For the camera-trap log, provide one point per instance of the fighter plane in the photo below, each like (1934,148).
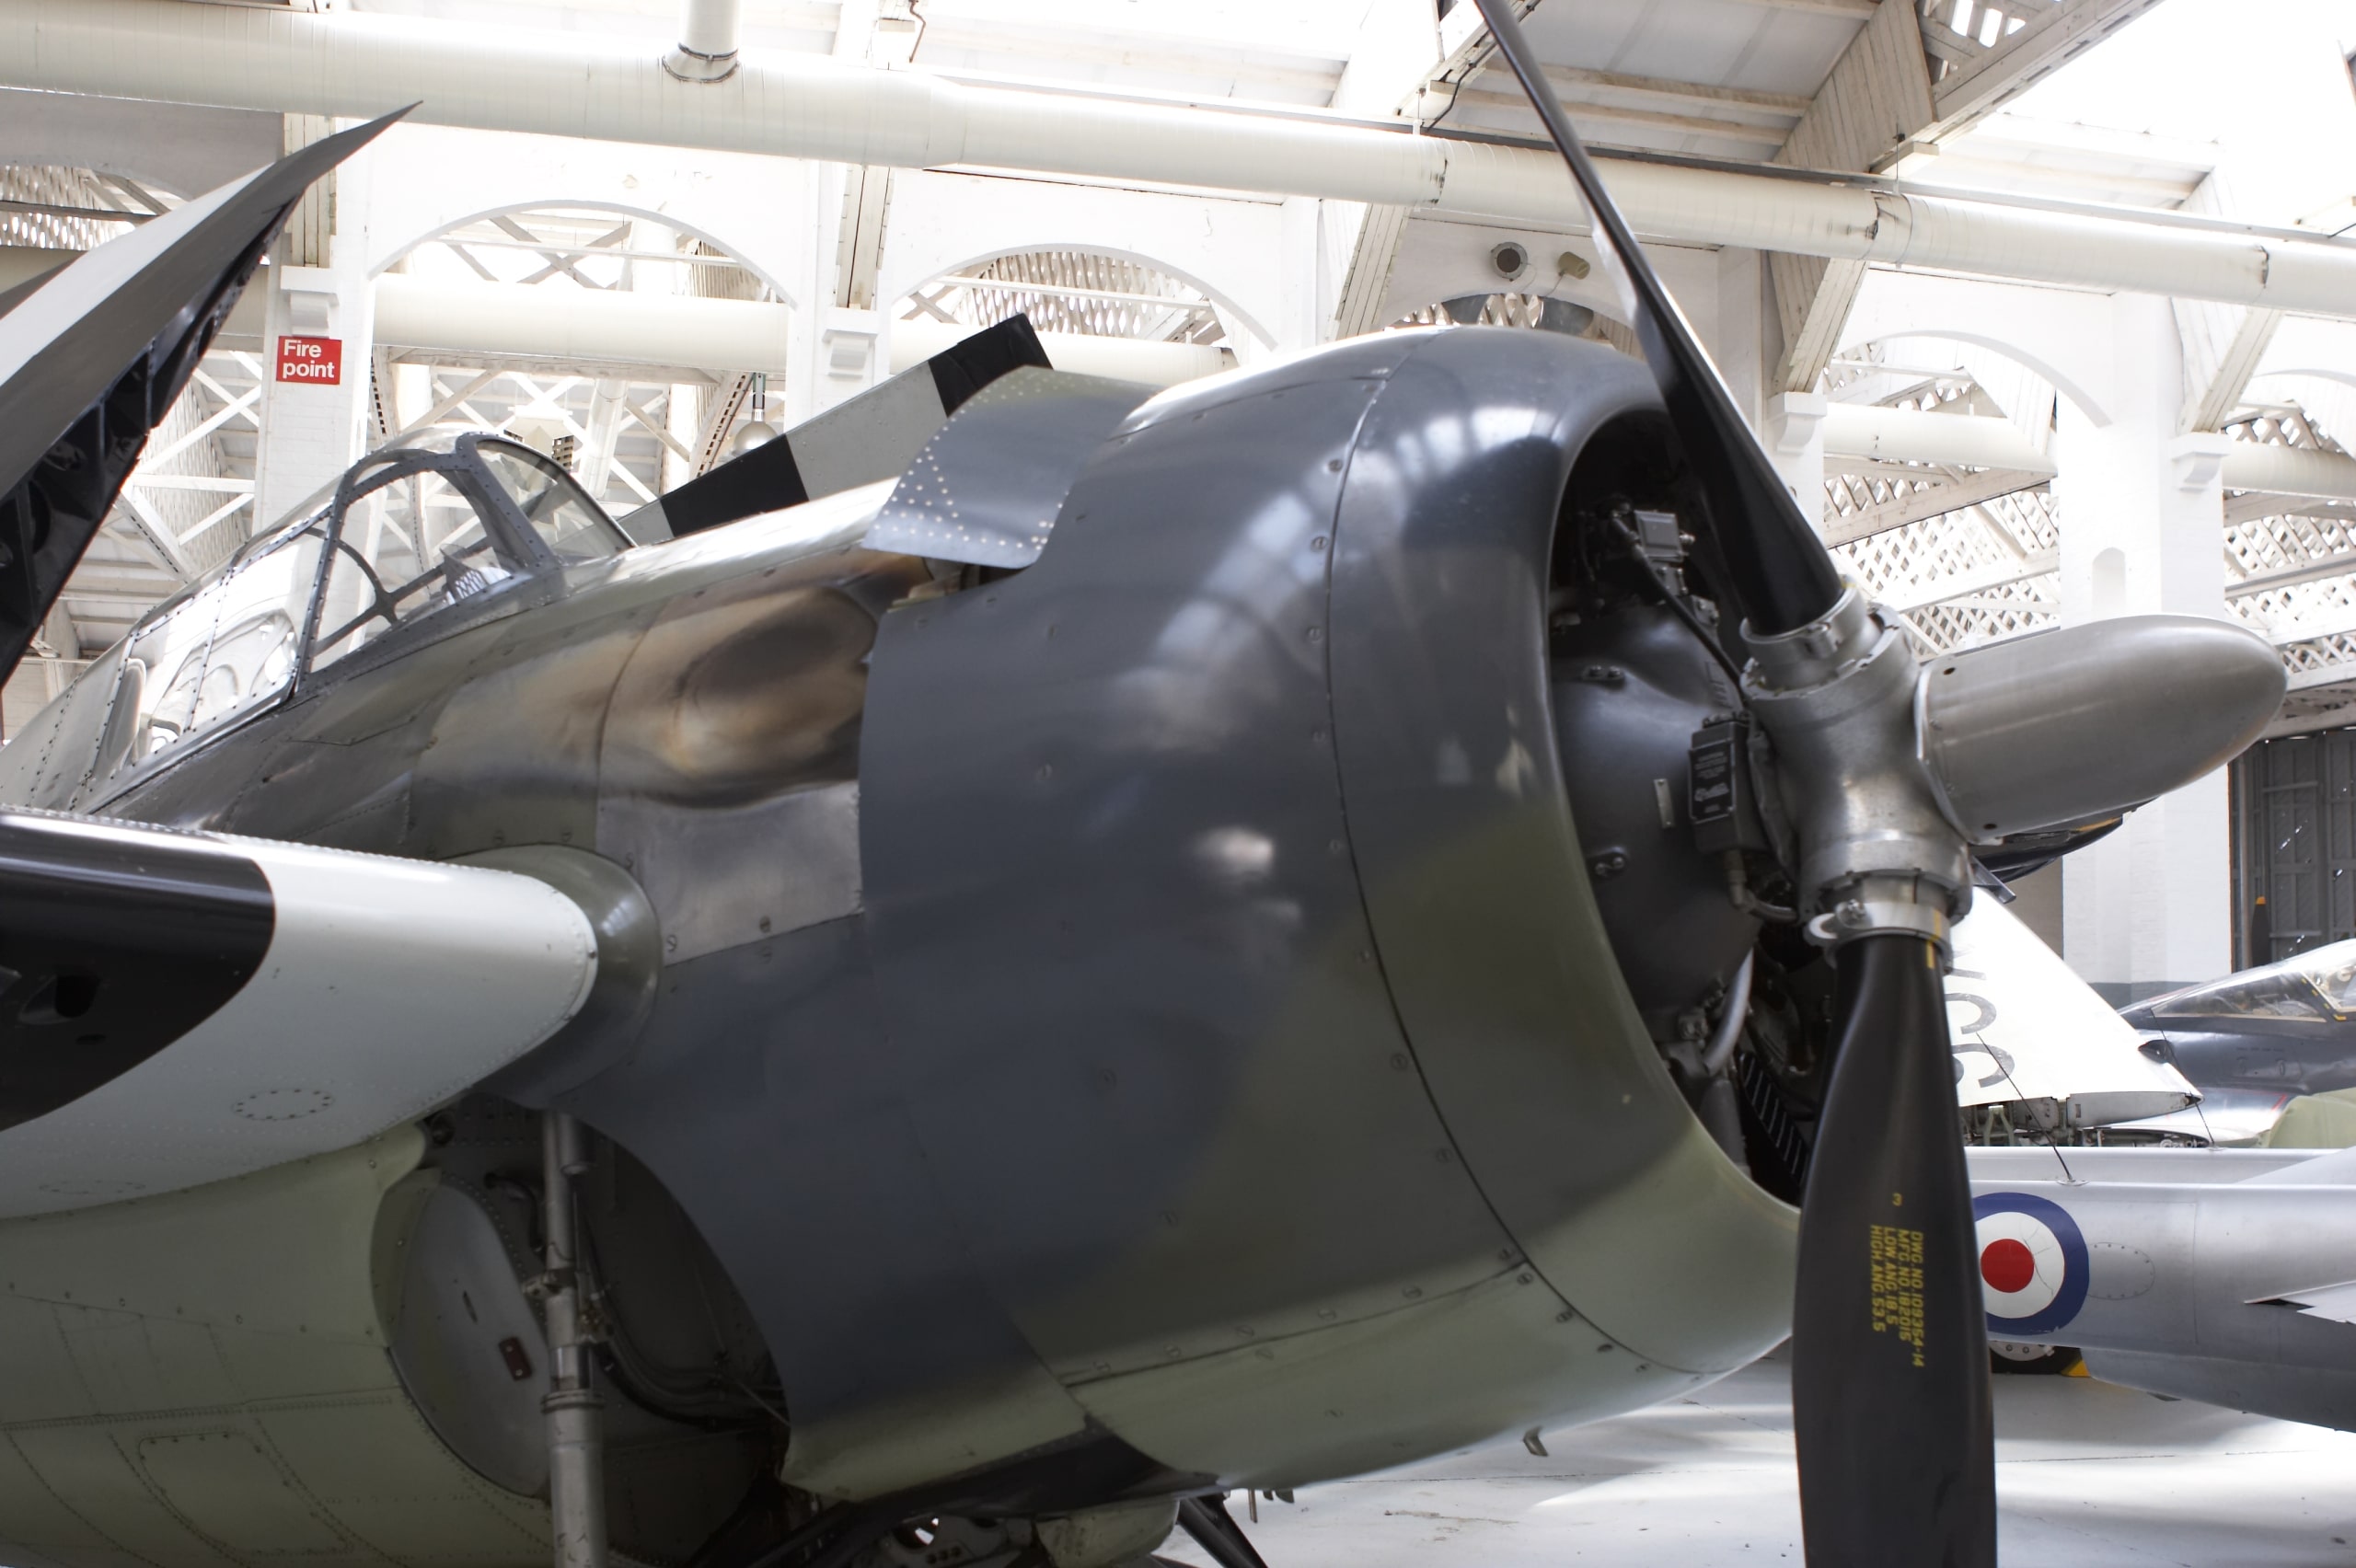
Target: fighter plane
(2256,1040)
(2226,1276)
(1180,943)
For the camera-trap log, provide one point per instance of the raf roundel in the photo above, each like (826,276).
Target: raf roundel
(2033,1266)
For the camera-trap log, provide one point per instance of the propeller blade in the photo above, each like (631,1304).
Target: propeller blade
(93,354)
(1781,577)
(1890,1347)
(1890,1376)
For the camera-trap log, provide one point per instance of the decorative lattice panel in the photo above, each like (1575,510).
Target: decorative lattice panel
(1076,292)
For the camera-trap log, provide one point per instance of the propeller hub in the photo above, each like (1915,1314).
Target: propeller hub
(1877,854)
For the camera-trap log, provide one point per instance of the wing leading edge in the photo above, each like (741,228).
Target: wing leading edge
(178,1008)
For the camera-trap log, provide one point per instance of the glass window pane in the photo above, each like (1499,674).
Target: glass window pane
(2266,992)
(2333,970)
(407,547)
(566,522)
(261,606)
(155,690)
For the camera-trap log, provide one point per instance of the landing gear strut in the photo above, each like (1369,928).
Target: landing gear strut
(575,1412)
(1214,1530)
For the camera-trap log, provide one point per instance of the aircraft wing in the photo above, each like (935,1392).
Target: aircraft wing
(93,354)
(178,1008)
(2334,1303)
(872,436)
(2026,1028)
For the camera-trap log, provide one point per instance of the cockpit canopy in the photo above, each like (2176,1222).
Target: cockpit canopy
(376,564)
(2315,986)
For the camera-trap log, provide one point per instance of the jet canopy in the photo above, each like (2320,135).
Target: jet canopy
(2314,987)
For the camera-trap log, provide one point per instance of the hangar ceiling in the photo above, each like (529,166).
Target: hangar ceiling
(2042,102)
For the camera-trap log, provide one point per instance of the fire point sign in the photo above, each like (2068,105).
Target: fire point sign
(315,360)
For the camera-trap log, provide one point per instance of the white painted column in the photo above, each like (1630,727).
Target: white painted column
(312,427)
(1792,424)
(1304,310)
(1738,346)
(2142,520)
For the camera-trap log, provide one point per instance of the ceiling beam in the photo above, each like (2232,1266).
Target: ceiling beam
(1876,99)
(2222,344)
(1576,79)
(1587,110)
(1401,51)
(1860,10)
(1976,78)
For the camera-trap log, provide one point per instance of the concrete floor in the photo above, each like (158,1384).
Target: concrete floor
(2088,1476)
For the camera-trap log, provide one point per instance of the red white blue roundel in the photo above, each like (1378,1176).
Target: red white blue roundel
(2033,1269)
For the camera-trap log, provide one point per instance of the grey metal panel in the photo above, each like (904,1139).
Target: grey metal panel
(987,487)
(453,1304)
(1460,819)
(1115,920)
(765,1097)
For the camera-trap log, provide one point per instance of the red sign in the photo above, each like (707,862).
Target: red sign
(315,360)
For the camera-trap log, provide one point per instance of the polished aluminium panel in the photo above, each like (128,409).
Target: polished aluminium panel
(727,774)
(2171,1274)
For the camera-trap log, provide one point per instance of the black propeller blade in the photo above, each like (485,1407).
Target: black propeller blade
(1780,570)
(1890,1365)
(1889,1375)
(93,354)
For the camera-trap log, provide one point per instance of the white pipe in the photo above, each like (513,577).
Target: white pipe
(1904,435)
(790,105)
(590,326)
(707,51)
(721,337)
(1978,441)
(2288,470)
(710,29)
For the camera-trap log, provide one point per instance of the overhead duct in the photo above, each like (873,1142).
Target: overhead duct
(2291,470)
(803,106)
(590,328)
(593,327)
(1979,441)
(707,51)
(583,326)
(1905,435)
